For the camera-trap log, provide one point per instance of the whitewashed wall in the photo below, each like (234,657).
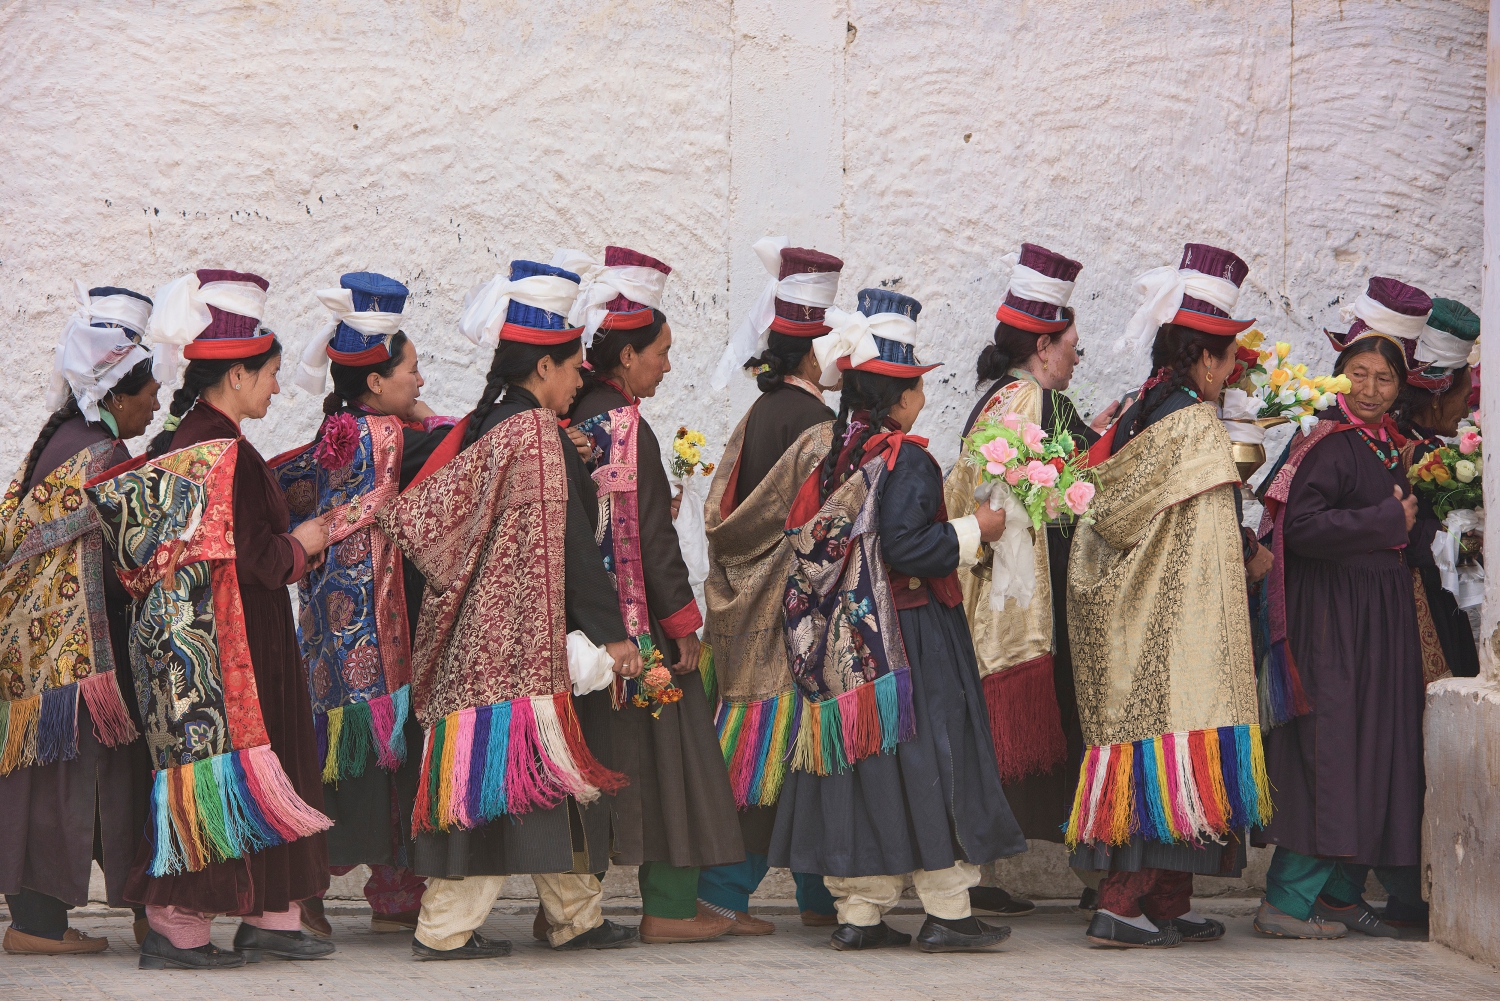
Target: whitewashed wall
(1323,141)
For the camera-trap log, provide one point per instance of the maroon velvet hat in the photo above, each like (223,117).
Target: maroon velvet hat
(1202,315)
(229,335)
(1032,315)
(625,314)
(794,318)
(1398,297)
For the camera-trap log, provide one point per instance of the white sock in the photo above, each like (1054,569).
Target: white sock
(1139,921)
(1192,916)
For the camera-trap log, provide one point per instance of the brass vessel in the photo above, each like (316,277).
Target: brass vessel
(1250,457)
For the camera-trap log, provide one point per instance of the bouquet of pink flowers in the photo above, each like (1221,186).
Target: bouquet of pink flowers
(1044,472)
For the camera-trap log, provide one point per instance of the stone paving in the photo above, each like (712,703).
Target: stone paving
(1046,957)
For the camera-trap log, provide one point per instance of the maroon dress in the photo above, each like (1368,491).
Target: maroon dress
(1348,776)
(267,560)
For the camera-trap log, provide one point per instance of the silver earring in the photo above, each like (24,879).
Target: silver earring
(236,385)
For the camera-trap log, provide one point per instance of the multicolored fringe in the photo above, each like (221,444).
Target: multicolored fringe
(511,758)
(1196,785)
(1025,723)
(43,729)
(708,673)
(1278,682)
(347,734)
(224,807)
(754,737)
(831,735)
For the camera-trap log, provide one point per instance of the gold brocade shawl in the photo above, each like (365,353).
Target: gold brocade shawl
(1015,635)
(749,558)
(1157,611)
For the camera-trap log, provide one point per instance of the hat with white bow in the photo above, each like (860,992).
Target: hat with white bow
(99,345)
(1435,335)
(210,313)
(803,283)
(1041,282)
(1200,293)
(618,294)
(530,307)
(365,312)
(880,337)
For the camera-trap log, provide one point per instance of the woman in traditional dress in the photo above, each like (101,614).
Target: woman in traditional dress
(877,635)
(1025,660)
(677,814)
(490,671)
(356,629)
(1345,643)
(256,864)
(1159,625)
(781,438)
(96,780)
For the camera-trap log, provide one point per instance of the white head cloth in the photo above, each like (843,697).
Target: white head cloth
(1384,320)
(1028,283)
(602,283)
(852,336)
(181,314)
(89,360)
(313,365)
(749,338)
(486,303)
(1438,347)
(1161,291)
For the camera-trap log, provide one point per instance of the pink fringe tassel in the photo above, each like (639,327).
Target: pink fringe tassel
(463,752)
(112,723)
(526,786)
(277,799)
(382,719)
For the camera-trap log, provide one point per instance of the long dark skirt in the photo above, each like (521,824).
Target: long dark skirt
(371,812)
(936,801)
(1211,859)
(1348,776)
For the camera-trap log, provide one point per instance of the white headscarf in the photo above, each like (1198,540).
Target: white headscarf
(313,365)
(1028,283)
(90,360)
(181,314)
(486,303)
(601,283)
(749,338)
(1382,319)
(1161,291)
(852,336)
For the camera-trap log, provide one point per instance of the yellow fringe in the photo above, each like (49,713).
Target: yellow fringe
(1122,762)
(775,775)
(331,759)
(21,737)
(1262,780)
(445,790)
(1162,789)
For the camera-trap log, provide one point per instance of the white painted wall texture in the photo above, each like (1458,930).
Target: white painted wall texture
(1322,141)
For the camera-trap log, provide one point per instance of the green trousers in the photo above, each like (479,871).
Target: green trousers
(669,891)
(1294,882)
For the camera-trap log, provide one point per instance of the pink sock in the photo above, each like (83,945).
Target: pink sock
(183,928)
(287,920)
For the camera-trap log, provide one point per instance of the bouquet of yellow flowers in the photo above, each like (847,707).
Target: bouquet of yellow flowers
(1284,390)
(687,454)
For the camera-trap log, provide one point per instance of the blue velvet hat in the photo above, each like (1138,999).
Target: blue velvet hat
(372,293)
(525,323)
(897,358)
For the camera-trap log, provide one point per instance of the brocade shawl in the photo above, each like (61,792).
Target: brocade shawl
(490,676)
(1159,623)
(749,558)
(352,623)
(54,631)
(219,791)
(1014,646)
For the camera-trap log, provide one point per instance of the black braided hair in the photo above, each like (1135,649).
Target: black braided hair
(1011,348)
(130,383)
(512,365)
(200,375)
(351,382)
(604,355)
(1175,351)
(782,357)
(862,391)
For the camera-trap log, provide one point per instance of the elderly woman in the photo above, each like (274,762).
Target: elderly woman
(1348,768)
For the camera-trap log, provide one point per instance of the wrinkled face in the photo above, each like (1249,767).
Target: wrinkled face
(133,411)
(397,393)
(643,370)
(1373,386)
(555,385)
(255,388)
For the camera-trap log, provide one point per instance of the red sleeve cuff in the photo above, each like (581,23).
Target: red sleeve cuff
(299,560)
(683,622)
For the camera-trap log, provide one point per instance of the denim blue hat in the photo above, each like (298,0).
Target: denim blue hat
(530,316)
(896,358)
(372,293)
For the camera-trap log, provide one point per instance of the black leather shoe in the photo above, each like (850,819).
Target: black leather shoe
(996,901)
(1106,930)
(606,936)
(966,935)
(1088,900)
(853,938)
(159,954)
(1207,930)
(477,947)
(257,943)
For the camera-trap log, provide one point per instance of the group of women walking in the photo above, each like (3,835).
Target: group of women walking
(495,666)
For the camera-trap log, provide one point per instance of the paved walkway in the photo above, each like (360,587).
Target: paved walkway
(1046,957)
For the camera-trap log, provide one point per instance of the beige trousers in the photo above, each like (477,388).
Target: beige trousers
(864,900)
(452,909)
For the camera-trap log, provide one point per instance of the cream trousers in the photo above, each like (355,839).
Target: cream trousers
(864,900)
(452,909)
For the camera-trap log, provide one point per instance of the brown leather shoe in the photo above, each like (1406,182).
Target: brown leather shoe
(400,921)
(815,920)
(702,927)
(744,923)
(73,942)
(541,926)
(140,928)
(313,920)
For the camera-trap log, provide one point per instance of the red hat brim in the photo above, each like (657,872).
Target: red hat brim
(1218,326)
(516,333)
(228,347)
(893,369)
(1031,324)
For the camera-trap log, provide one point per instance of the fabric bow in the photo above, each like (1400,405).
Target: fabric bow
(852,336)
(90,360)
(1030,284)
(601,283)
(1161,291)
(313,365)
(486,303)
(181,314)
(749,338)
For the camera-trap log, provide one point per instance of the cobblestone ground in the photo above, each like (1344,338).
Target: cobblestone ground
(1046,957)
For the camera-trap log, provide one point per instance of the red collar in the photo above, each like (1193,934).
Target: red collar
(631,400)
(891,441)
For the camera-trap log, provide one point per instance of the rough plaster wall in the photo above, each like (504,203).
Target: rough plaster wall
(486,131)
(1117,132)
